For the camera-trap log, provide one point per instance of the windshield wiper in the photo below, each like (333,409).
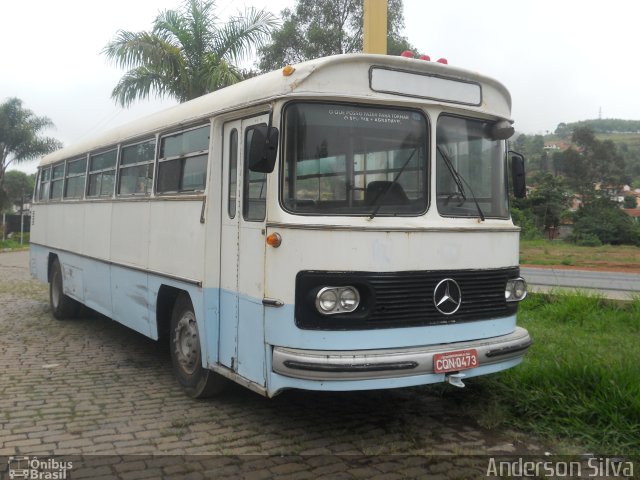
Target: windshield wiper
(378,200)
(459,180)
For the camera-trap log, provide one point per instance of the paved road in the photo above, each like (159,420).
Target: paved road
(615,285)
(91,386)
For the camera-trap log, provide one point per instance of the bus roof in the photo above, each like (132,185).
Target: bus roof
(350,77)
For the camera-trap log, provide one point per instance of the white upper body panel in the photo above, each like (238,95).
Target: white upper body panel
(347,76)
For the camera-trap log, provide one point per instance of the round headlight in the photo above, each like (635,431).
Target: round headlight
(515,290)
(327,300)
(520,289)
(507,292)
(349,299)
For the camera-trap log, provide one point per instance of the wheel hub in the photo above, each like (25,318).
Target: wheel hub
(187,344)
(56,290)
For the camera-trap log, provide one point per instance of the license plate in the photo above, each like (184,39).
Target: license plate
(455,361)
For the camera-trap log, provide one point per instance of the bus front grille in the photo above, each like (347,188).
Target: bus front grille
(404,299)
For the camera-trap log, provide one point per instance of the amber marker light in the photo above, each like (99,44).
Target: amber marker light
(274,240)
(288,70)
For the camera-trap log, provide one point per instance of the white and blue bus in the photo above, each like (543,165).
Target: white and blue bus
(341,224)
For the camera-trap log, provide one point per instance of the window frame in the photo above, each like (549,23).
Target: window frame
(428,177)
(101,171)
(232,181)
(68,176)
(41,182)
(152,163)
(504,182)
(246,180)
(183,159)
(61,180)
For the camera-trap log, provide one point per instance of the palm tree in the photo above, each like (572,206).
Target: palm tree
(21,135)
(187,53)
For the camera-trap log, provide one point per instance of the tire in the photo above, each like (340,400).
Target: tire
(184,341)
(62,306)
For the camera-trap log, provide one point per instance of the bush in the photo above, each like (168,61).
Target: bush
(526,220)
(588,240)
(630,201)
(604,220)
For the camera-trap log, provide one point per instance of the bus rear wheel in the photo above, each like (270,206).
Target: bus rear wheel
(198,382)
(62,306)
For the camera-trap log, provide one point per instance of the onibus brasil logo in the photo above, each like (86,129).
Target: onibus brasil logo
(34,468)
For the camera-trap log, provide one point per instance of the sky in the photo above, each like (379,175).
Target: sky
(562,60)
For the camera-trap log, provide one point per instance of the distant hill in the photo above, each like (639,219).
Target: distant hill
(625,134)
(603,125)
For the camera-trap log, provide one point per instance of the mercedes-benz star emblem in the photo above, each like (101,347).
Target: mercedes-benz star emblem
(447,297)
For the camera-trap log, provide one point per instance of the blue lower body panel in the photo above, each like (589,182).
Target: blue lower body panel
(239,334)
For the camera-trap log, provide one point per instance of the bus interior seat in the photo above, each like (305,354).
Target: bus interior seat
(394,195)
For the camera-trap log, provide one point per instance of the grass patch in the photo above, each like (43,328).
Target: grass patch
(12,244)
(557,252)
(580,382)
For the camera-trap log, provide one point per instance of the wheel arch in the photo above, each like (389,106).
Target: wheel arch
(190,365)
(51,258)
(165,301)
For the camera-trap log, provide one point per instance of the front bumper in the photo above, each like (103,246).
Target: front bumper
(391,363)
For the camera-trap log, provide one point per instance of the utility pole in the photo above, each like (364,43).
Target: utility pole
(374,25)
(21,216)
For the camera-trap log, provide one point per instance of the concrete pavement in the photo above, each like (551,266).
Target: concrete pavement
(614,285)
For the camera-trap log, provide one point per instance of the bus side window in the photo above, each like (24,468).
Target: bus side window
(57,179)
(74,180)
(254,195)
(45,177)
(183,161)
(136,168)
(102,172)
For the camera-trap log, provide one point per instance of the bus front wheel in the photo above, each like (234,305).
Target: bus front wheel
(186,356)
(62,306)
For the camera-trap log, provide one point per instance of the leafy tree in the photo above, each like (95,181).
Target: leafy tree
(520,143)
(318,28)
(544,207)
(532,147)
(17,189)
(592,162)
(187,53)
(630,201)
(523,217)
(562,130)
(557,160)
(605,220)
(548,200)
(21,135)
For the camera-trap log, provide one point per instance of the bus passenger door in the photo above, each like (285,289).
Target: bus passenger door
(229,231)
(242,344)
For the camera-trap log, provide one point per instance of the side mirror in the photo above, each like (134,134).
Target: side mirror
(263,149)
(517,175)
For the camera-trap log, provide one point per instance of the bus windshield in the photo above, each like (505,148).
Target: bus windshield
(354,160)
(470,169)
